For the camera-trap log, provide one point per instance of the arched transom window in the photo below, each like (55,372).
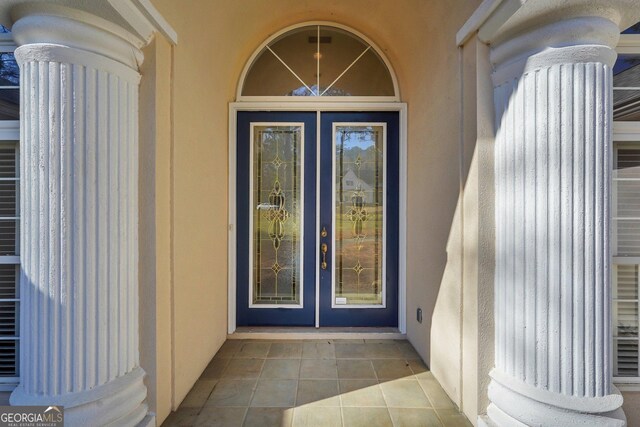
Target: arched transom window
(320,61)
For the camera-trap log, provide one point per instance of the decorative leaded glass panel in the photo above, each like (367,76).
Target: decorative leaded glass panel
(359,214)
(277,153)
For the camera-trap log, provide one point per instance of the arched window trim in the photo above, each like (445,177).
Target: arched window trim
(323,99)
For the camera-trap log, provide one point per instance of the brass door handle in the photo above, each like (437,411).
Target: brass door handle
(324,249)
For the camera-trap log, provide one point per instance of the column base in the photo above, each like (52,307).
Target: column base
(516,404)
(119,402)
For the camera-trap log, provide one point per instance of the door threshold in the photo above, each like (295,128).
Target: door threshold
(311,333)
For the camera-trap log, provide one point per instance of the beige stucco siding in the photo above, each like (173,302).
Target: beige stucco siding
(215,40)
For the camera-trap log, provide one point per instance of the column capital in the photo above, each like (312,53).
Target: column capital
(46,25)
(526,35)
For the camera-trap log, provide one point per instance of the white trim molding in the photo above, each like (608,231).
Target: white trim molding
(143,16)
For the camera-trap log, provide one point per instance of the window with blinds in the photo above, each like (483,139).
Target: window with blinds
(626,260)
(9,213)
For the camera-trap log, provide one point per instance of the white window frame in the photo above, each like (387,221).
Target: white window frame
(626,133)
(318,99)
(10,131)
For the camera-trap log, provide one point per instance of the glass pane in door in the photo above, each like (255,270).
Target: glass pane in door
(359,222)
(277,176)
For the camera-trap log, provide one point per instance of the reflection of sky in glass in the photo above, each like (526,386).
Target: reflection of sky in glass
(634,29)
(625,62)
(355,140)
(4,29)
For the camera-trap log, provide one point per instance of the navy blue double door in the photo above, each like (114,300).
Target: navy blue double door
(317,219)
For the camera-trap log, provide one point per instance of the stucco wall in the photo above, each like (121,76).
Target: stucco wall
(462,328)
(215,40)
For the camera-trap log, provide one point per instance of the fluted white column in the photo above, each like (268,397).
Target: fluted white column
(79,210)
(553,97)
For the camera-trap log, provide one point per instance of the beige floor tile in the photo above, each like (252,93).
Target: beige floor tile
(404,394)
(318,393)
(231,381)
(322,349)
(199,394)
(437,396)
(391,369)
(229,348)
(349,341)
(414,417)
(221,417)
(382,351)
(366,417)
(417,366)
(355,369)
(361,393)
(232,393)
(243,368)
(453,418)
(351,351)
(313,416)
(183,417)
(281,369)
(406,350)
(268,417)
(285,350)
(253,350)
(318,369)
(275,393)
(215,369)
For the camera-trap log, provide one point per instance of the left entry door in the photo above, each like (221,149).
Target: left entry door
(276,218)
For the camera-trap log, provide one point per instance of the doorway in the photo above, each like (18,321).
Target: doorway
(317,218)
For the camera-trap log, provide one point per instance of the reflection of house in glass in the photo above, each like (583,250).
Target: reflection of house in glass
(352,186)
(9,87)
(626,94)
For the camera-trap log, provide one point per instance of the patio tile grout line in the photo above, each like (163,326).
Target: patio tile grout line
(405,356)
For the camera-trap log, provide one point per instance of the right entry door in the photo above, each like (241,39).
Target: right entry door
(359,219)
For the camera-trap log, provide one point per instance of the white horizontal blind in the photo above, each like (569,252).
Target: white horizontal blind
(626,269)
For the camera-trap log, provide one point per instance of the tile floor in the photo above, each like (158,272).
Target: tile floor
(321,383)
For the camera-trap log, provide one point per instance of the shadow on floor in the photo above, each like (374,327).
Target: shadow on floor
(322,383)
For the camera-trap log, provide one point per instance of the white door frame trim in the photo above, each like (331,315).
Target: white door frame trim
(235,107)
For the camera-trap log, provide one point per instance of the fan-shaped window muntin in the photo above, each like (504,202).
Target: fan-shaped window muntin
(320,61)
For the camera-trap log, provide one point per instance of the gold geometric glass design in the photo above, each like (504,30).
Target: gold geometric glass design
(277,184)
(359,214)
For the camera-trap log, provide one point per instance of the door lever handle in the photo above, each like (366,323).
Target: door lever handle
(324,248)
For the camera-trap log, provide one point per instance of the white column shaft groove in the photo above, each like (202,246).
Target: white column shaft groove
(552,169)
(79,227)
(552,275)
(79,210)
